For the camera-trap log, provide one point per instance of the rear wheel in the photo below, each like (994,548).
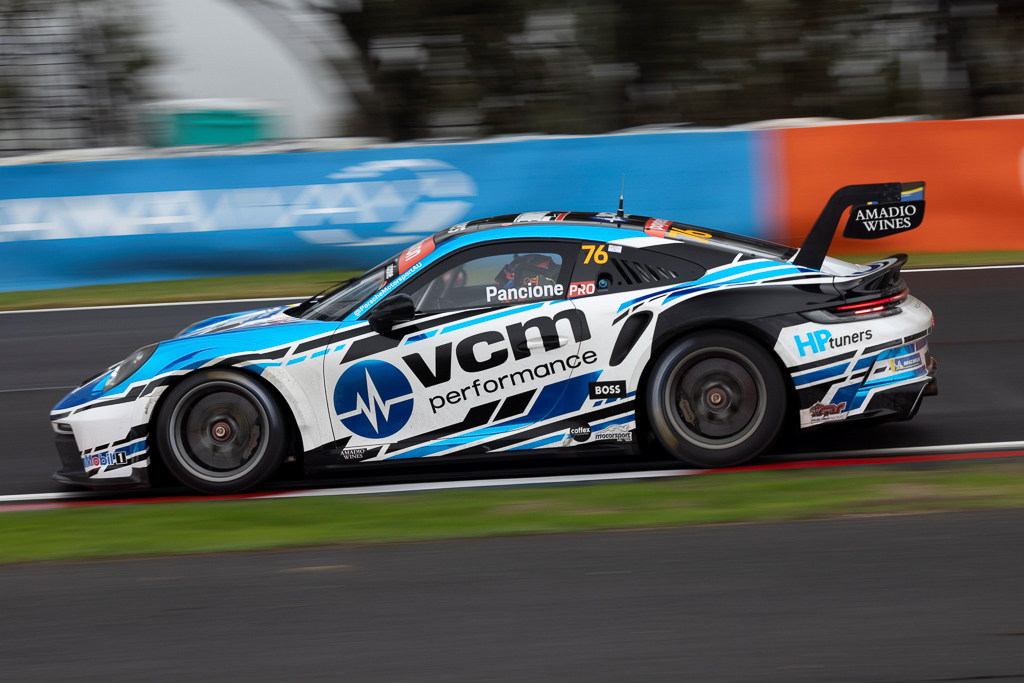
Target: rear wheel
(716,399)
(221,432)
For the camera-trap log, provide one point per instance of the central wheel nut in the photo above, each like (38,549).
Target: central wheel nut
(221,431)
(716,398)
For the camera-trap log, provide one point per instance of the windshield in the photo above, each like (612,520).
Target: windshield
(337,302)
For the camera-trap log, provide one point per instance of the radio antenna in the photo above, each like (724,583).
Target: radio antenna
(622,194)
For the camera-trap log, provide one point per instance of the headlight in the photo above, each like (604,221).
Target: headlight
(128,366)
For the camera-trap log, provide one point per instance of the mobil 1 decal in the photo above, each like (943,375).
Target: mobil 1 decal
(871,221)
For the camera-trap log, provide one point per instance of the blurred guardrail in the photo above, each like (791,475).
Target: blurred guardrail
(311,206)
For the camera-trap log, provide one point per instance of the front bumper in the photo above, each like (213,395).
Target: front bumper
(72,470)
(103,441)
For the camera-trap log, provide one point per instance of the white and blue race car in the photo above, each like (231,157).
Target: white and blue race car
(542,330)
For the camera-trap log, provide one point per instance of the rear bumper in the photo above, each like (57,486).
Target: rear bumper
(893,403)
(902,402)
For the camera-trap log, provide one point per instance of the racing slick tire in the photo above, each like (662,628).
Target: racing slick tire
(715,399)
(220,431)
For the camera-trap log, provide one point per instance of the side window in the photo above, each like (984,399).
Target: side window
(604,268)
(493,275)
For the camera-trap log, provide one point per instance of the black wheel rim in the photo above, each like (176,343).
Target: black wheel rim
(219,431)
(714,398)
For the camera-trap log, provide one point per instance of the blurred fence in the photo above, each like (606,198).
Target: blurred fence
(120,221)
(93,222)
(974,170)
(68,74)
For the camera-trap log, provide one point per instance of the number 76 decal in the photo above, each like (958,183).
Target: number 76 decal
(595,252)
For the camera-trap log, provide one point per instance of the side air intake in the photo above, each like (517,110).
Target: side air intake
(634,272)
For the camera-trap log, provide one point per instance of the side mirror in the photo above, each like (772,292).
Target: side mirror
(398,308)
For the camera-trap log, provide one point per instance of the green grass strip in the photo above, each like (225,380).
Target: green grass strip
(201,289)
(218,526)
(307,284)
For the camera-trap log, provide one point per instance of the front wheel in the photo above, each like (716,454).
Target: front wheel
(716,399)
(221,432)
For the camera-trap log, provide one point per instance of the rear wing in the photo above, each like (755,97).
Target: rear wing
(879,210)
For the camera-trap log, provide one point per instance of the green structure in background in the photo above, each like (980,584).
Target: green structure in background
(209,122)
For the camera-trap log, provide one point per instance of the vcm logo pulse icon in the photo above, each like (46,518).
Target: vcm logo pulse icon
(822,340)
(373,399)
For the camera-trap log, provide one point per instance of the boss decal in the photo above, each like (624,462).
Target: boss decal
(607,389)
(373,399)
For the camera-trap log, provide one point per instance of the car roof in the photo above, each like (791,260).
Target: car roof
(592,224)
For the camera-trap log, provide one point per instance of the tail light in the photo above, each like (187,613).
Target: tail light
(874,305)
(872,308)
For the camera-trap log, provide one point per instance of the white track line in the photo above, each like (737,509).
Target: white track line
(301,298)
(163,303)
(14,391)
(993,446)
(43,497)
(916,450)
(942,269)
(484,483)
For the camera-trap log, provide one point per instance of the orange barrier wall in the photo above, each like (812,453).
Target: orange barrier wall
(973,170)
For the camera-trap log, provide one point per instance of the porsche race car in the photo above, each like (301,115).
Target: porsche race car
(532,331)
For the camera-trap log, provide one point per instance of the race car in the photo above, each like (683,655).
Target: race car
(532,331)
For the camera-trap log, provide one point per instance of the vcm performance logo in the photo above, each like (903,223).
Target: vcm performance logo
(373,399)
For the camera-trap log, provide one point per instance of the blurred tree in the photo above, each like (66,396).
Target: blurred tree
(443,68)
(70,73)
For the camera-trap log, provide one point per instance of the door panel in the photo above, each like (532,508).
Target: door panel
(609,285)
(463,376)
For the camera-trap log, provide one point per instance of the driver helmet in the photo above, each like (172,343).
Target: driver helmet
(528,269)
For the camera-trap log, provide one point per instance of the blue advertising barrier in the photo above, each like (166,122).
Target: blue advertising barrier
(98,222)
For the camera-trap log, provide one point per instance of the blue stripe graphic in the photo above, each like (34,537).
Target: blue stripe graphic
(819,375)
(493,316)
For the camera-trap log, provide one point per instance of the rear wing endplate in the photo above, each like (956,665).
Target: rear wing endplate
(879,210)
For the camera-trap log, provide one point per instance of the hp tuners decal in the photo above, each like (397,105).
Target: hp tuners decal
(818,341)
(373,399)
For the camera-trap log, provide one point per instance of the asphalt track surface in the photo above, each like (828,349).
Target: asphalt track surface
(907,598)
(978,341)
